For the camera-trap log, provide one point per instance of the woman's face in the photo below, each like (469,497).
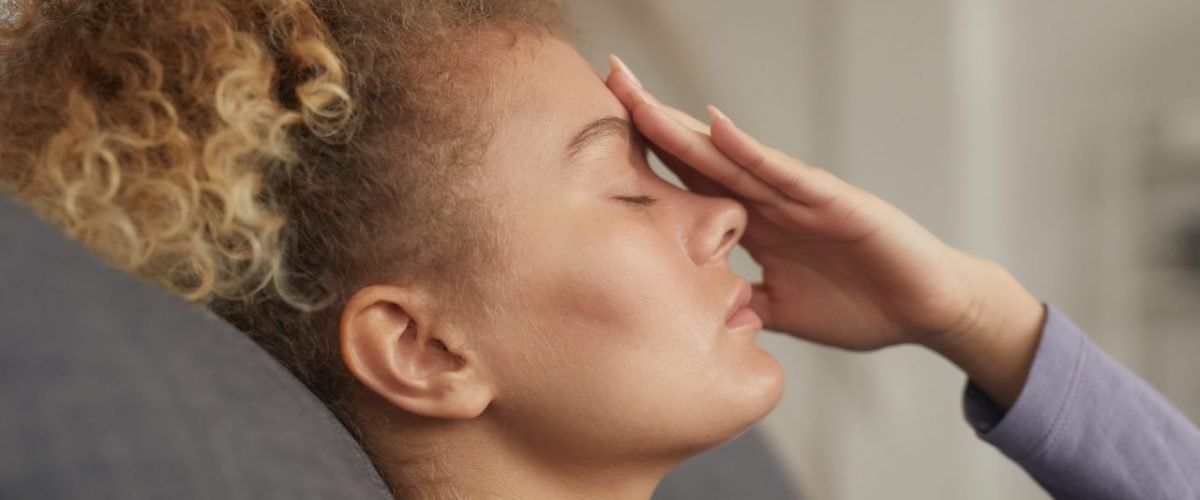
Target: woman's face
(611,336)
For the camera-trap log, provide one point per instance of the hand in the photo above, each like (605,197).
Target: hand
(840,266)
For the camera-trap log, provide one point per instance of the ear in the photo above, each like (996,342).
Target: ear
(393,342)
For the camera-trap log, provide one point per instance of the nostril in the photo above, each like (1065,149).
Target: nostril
(728,240)
(712,237)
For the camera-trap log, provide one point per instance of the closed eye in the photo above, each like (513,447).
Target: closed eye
(642,200)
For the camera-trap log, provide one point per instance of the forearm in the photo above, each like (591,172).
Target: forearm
(1086,427)
(996,343)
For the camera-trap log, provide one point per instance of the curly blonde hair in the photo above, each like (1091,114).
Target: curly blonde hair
(260,157)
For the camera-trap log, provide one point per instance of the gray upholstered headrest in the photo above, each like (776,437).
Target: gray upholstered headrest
(110,388)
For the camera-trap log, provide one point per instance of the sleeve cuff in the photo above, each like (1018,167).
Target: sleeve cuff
(1052,380)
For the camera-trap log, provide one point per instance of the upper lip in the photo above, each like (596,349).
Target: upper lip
(740,299)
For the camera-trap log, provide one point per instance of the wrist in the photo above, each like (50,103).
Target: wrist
(997,338)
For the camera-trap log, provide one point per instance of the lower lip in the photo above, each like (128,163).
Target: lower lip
(744,317)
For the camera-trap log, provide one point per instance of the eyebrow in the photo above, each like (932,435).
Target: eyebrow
(592,133)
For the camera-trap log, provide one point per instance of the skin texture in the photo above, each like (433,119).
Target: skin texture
(604,362)
(607,359)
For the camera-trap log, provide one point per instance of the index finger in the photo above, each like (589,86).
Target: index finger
(696,150)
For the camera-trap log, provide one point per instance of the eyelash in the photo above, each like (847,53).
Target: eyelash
(642,200)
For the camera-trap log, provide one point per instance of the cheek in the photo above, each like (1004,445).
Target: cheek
(631,286)
(610,318)
(604,284)
(612,300)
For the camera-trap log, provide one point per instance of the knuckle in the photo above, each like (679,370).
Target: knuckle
(685,149)
(756,161)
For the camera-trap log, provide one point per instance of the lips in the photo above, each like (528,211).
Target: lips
(739,312)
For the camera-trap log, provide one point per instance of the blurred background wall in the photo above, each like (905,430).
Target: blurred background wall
(1061,139)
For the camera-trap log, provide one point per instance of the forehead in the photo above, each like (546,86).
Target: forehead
(543,87)
(541,94)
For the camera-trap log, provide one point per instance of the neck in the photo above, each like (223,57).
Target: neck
(434,459)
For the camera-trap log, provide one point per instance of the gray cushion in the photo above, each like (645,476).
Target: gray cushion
(743,468)
(110,388)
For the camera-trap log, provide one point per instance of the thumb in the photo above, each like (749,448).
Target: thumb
(760,302)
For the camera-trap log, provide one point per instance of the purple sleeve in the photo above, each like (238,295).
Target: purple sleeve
(1086,427)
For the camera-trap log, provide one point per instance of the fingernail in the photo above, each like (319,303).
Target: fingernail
(716,114)
(613,60)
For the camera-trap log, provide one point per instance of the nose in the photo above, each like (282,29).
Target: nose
(719,226)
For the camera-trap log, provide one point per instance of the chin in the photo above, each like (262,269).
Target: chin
(757,393)
(764,389)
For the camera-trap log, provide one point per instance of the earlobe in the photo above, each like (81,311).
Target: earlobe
(393,341)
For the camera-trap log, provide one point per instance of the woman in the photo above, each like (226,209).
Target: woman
(442,221)
(402,203)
